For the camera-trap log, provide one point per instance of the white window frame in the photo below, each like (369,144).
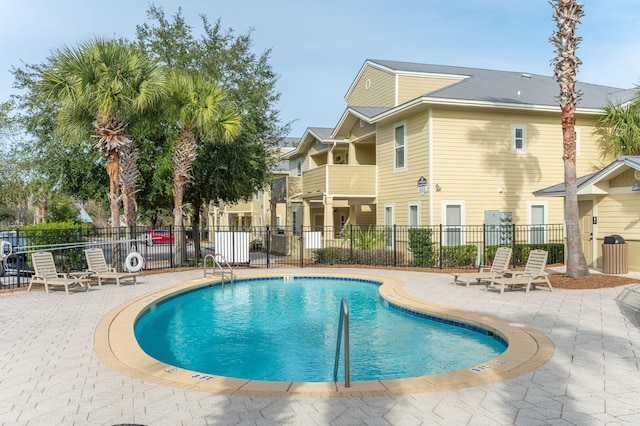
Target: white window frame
(404,148)
(514,139)
(417,206)
(299,167)
(577,132)
(542,226)
(445,204)
(388,223)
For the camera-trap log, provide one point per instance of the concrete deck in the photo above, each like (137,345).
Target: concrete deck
(50,373)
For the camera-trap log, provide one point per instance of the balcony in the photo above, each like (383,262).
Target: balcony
(285,187)
(337,179)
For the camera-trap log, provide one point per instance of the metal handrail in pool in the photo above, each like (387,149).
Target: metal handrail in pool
(343,324)
(218,265)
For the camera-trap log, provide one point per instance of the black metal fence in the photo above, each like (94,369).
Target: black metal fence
(437,247)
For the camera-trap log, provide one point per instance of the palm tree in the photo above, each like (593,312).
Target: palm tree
(197,106)
(567,15)
(103,83)
(128,175)
(619,130)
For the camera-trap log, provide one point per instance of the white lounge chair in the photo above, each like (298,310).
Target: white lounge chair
(46,273)
(97,265)
(499,267)
(533,274)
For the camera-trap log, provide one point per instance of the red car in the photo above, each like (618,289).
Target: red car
(159,236)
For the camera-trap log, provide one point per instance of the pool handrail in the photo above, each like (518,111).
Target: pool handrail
(217,266)
(343,323)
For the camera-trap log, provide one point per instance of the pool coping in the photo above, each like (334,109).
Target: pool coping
(116,346)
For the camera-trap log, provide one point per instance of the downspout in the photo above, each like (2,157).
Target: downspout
(430,163)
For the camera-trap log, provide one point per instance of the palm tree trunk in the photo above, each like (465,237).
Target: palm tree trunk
(129,174)
(184,153)
(576,262)
(113,165)
(195,231)
(178,221)
(567,15)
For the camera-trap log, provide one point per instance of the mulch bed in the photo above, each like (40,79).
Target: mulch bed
(591,282)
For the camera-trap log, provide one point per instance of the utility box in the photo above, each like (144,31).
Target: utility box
(615,255)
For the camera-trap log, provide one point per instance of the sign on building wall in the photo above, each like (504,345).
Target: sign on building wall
(422,185)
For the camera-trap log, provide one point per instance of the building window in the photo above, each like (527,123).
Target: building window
(400,148)
(388,223)
(294,222)
(299,168)
(577,133)
(414,215)
(279,228)
(518,139)
(537,222)
(453,212)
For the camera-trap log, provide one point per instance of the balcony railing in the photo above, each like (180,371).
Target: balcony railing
(340,179)
(285,187)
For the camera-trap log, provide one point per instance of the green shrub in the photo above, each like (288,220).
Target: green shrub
(521,252)
(459,256)
(378,258)
(421,246)
(364,238)
(556,252)
(343,256)
(56,236)
(332,256)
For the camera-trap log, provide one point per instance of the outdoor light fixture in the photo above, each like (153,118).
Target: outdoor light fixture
(438,187)
(636,176)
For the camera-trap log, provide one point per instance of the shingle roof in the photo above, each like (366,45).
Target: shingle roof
(321,132)
(370,111)
(518,88)
(559,189)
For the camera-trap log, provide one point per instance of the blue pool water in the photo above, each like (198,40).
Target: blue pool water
(284,329)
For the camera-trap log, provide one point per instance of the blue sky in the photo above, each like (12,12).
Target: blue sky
(318,47)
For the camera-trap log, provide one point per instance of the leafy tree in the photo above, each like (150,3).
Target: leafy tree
(567,15)
(197,106)
(72,165)
(619,130)
(103,83)
(13,206)
(63,209)
(223,172)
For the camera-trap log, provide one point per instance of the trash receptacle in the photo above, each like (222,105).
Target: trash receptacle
(615,257)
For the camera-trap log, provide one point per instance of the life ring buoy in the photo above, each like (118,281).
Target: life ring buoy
(3,244)
(134,261)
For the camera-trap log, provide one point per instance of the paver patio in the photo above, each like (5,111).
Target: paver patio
(50,374)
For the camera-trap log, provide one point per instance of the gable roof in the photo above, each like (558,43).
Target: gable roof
(321,134)
(481,88)
(505,87)
(587,183)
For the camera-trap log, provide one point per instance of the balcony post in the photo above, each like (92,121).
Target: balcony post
(328,219)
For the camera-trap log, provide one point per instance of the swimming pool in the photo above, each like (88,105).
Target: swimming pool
(284,329)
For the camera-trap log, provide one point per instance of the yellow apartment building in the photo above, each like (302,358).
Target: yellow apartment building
(422,144)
